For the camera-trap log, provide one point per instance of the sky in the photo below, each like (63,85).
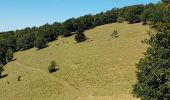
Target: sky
(18,14)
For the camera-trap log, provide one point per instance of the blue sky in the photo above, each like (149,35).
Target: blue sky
(18,14)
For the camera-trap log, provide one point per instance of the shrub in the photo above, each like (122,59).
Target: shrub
(154,69)
(9,55)
(114,34)
(120,19)
(80,37)
(19,78)
(52,66)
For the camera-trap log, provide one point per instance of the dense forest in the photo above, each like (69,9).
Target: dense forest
(153,71)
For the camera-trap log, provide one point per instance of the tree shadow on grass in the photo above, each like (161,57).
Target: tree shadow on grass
(14,59)
(3,76)
(54,70)
(43,47)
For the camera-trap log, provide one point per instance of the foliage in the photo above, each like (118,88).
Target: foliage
(80,36)
(161,27)
(105,18)
(166,1)
(146,15)
(66,33)
(52,66)
(153,71)
(132,13)
(120,19)
(40,42)
(9,55)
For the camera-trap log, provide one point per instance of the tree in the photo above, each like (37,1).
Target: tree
(166,1)
(1,69)
(146,15)
(153,71)
(132,13)
(40,42)
(3,48)
(80,36)
(120,19)
(70,24)
(9,55)
(26,41)
(66,33)
(52,66)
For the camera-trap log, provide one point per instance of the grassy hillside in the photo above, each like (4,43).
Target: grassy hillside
(101,68)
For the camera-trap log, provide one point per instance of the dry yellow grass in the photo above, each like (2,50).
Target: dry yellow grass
(101,68)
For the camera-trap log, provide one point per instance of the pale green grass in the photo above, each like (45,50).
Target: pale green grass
(101,69)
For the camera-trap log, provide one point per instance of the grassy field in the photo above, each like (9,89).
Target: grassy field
(101,68)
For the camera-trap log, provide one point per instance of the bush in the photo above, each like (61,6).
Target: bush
(9,55)
(80,37)
(120,19)
(114,34)
(154,69)
(52,66)
(19,78)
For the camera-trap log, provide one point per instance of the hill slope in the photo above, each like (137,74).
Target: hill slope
(101,68)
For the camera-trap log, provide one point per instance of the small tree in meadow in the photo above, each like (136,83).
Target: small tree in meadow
(80,36)
(19,78)
(114,34)
(52,67)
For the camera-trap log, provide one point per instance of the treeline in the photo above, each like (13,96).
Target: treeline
(39,36)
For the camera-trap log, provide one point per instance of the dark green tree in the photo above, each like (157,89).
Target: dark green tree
(9,55)
(80,36)
(66,33)
(52,67)
(25,41)
(146,15)
(40,42)
(166,1)
(153,71)
(132,13)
